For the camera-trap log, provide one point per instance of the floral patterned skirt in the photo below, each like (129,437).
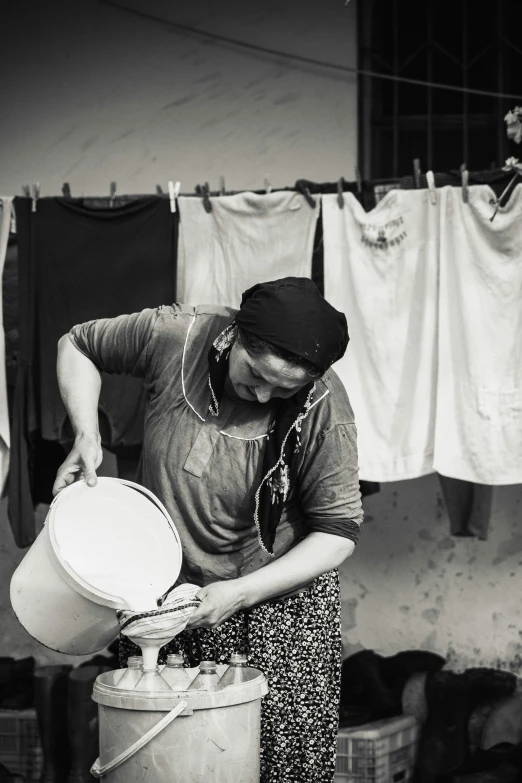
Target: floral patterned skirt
(296,643)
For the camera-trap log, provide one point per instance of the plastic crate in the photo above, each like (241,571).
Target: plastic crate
(380,752)
(20,748)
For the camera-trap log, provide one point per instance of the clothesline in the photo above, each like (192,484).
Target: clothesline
(307,60)
(369,192)
(479,175)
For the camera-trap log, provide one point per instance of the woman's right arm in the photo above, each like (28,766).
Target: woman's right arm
(117,346)
(80,383)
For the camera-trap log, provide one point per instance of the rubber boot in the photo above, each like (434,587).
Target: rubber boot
(50,699)
(82,714)
(444,744)
(361,679)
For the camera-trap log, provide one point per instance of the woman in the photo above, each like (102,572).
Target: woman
(250,443)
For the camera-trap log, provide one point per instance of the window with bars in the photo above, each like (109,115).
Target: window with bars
(455,42)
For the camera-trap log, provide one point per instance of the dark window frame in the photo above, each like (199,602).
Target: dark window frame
(397,122)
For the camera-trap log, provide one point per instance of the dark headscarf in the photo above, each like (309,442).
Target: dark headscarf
(292,315)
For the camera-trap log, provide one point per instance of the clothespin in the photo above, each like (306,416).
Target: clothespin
(308,196)
(204,192)
(302,188)
(66,190)
(430,177)
(464,178)
(358,180)
(268,186)
(206,198)
(172,197)
(26,190)
(159,190)
(340,197)
(112,194)
(173,194)
(417,172)
(222,186)
(36,196)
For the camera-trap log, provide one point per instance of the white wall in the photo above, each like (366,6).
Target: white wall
(93,94)
(411,585)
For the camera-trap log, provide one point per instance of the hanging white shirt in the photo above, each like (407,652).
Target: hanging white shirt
(246,239)
(380,268)
(478,434)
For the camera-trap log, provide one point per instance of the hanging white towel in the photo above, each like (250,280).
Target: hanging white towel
(381,270)
(5,442)
(246,239)
(479,396)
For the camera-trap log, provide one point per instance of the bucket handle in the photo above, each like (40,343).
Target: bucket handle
(99,771)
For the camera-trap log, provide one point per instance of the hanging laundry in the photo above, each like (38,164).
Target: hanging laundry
(77,263)
(5,222)
(381,269)
(317,273)
(46,456)
(10,316)
(478,434)
(468,507)
(245,239)
(367,488)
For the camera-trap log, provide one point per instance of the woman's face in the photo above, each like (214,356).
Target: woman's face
(259,378)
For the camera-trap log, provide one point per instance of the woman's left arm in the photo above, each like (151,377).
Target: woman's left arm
(330,498)
(314,555)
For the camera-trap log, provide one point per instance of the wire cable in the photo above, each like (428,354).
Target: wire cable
(306,60)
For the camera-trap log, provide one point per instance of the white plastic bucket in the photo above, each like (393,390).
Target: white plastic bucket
(97,544)
(181,736)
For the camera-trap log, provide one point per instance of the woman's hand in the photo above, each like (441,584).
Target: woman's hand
(82,462)
(219,601)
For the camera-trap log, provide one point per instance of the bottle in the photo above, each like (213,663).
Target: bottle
(207,678)
(132,673)
(236,672)
(175,673)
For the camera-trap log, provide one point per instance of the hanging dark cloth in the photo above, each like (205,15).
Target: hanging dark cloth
(318,255)
(10,315)
(468,506)
(80,261)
